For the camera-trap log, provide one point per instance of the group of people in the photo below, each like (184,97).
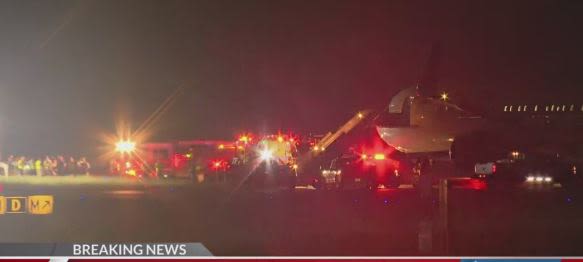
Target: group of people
(47,166)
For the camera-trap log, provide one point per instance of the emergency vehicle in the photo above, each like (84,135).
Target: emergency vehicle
(530,168)
(355,156)
(274,164)
(181,159)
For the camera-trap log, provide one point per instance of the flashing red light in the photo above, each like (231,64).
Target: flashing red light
(219,164)
(493,169)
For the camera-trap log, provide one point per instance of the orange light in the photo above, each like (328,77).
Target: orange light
(444,96)
(279,139)
(363,156)
(379,156)
(221,146)
(131,172)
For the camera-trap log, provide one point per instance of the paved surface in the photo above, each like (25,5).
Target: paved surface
(483,220)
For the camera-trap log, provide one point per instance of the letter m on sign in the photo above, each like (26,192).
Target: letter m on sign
(40,204)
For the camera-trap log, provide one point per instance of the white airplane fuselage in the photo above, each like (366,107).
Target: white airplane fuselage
(431,126)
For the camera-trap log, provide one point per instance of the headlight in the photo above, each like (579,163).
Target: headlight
(265,155)
(330,172)
(539,179)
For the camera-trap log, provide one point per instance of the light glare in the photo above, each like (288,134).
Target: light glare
(266,155)
(125,146)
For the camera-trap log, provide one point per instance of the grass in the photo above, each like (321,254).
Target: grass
(87,180)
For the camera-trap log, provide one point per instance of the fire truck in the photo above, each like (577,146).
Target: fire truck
(194,159)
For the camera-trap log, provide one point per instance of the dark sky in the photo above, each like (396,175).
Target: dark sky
(69,69)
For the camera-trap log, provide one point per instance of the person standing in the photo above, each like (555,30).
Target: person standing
(12,166)
(83,166)
(72,167)
(114,167)
(4,167)
(29,167)
(48,166)
(21,163)
(61,165)
(38,167)
(158,168)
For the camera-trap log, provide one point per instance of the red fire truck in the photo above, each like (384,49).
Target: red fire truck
(181,159)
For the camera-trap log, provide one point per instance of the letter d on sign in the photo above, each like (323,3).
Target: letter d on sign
(15,204)
(2,205)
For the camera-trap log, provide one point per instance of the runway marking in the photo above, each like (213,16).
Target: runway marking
(305,187)
(125,193)
(403,186)
(406,186)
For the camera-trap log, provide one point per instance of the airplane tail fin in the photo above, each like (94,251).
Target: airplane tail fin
(428,76)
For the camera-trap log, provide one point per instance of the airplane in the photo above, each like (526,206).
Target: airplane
(432,126)
(415,124)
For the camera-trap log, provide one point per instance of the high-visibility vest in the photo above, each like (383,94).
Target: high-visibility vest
(20,164)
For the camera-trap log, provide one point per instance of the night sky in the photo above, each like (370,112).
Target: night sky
(70,69)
